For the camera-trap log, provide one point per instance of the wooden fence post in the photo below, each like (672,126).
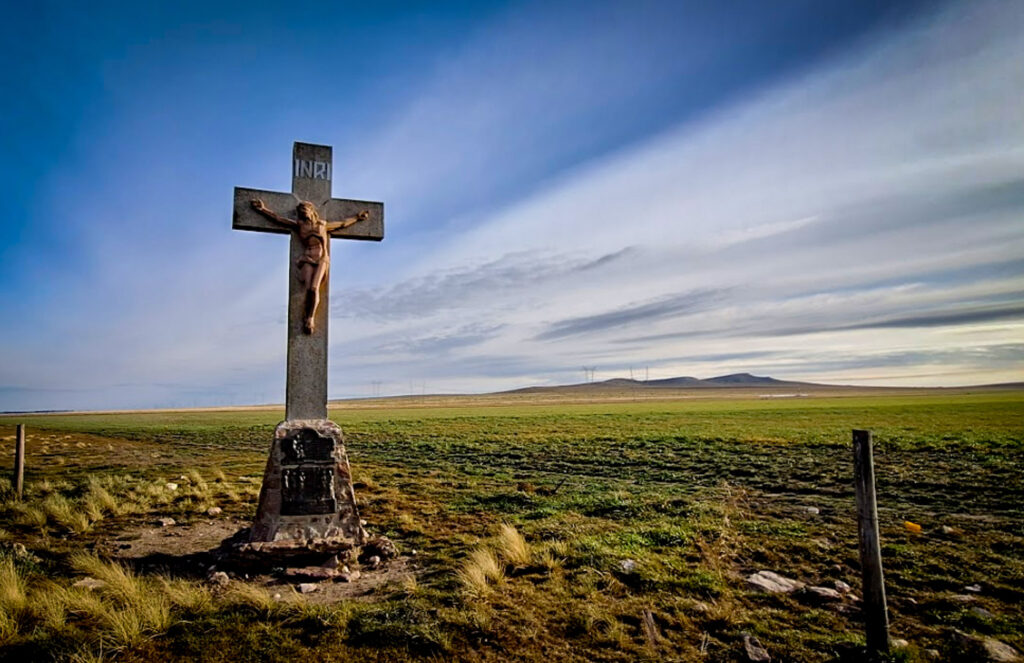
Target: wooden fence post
(876,618)
(19,461)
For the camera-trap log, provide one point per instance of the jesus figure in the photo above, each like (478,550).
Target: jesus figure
(314,235)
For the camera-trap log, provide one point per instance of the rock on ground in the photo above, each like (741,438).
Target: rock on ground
(381,547)
(993,649)
(822,594)
(312,573)
(308,587)
(755,652)
(218,578)
(90,583)
(772,583)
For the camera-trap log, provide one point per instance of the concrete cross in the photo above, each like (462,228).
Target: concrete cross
(306,390)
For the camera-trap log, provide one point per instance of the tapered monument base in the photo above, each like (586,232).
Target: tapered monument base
(307,491)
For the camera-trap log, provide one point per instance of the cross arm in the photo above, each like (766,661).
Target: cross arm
(246,218)
(337,209)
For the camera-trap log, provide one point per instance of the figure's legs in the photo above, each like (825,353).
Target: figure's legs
(306,271)
(313,294)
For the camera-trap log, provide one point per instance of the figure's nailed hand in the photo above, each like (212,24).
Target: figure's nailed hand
(363,216)
(258,205)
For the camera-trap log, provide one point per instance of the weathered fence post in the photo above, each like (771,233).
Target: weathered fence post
(876,618)
(19,461)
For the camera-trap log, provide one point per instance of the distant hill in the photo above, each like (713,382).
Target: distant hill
(721,382)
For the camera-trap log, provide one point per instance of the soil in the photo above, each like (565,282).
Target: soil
(190,550)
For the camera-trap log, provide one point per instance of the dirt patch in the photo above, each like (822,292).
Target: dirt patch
(191,550)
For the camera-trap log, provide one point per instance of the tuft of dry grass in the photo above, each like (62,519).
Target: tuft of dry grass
(481,571)
(512,547)
(98,500)
(137,609)
(13,594)
(64,513)
(28,515)
(187,595)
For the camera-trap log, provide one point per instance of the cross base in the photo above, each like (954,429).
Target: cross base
(307,487)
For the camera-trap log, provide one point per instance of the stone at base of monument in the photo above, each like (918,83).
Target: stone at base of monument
(307,497)
(265,557)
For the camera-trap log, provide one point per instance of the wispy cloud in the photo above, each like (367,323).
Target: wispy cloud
(663,307)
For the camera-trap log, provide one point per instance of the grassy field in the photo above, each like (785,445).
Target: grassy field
(616,530)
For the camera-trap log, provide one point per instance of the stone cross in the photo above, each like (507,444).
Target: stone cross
(306,387)
(306,498)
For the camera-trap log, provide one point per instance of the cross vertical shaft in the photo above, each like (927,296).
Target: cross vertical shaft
(306,386)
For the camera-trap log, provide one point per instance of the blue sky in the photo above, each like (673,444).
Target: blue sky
(818,191)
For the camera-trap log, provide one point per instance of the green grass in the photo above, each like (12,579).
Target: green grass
(695,494)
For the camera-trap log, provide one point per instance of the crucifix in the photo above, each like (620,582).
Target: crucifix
(307,487)
(311,217)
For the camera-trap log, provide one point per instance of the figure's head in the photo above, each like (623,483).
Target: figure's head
(307,211)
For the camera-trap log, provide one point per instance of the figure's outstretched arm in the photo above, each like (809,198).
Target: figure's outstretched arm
(349,221)
(258,205)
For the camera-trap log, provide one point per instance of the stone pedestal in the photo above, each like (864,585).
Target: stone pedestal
(307,487)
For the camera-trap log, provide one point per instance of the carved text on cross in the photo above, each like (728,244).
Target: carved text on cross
(310,215)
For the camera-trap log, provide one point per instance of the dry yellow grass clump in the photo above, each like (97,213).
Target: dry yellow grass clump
(487,565)
(481,571)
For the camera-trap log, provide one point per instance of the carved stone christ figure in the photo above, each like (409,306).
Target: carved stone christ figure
(315,262)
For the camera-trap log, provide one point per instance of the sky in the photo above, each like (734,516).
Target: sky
(830,192)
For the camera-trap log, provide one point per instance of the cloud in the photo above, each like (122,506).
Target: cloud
(663,307)
(463,287)
(440,344)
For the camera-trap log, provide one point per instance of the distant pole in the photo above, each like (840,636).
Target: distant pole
(19,461)
(876,619)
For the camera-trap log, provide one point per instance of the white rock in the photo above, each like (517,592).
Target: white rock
(823,594)
(166,522)
(308,587)
(813,510)
(978,611)
(899,643)
(170,485)
(947,530)
(214,511)
(842,587)
(627,565)
(218,578)
(772,583)
(374,561)
(974,589)
(90,583)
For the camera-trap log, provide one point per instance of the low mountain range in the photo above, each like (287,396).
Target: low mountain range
(720,382)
